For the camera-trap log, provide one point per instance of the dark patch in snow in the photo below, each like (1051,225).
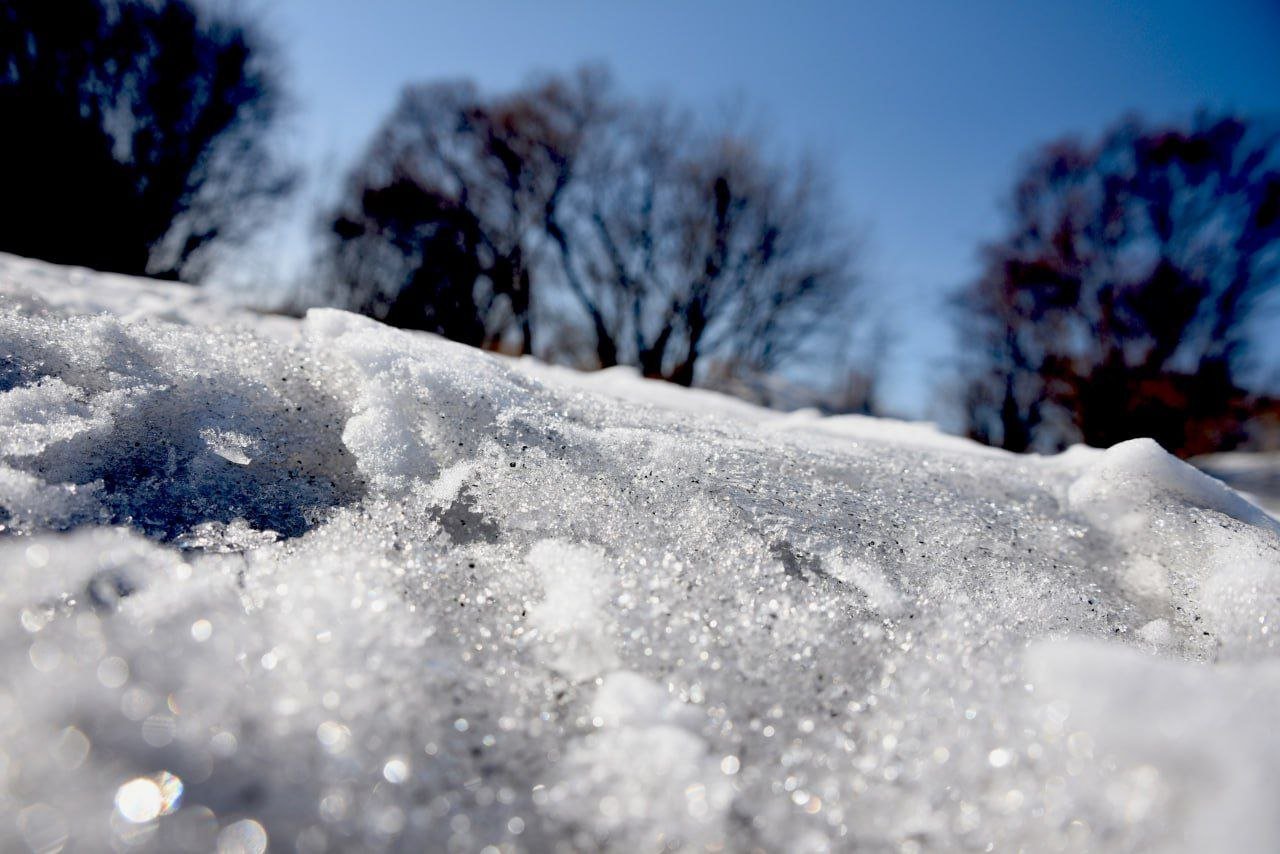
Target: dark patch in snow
(798,564)
(465,525)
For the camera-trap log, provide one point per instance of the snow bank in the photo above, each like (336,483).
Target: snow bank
(323,585)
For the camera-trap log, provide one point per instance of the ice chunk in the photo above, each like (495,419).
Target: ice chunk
(231,445)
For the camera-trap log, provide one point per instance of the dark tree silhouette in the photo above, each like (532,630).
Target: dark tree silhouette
(685,245)
(436,292)
(452,250)
(1119,305)
(136,133)
(670,244)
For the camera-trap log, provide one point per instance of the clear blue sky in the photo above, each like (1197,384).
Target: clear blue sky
(923,109)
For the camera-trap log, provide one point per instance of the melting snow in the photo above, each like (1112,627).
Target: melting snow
(324,585)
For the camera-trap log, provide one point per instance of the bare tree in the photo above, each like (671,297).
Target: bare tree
(501,165)
(692,245)
(672,244)
(1119,304)
(144,133)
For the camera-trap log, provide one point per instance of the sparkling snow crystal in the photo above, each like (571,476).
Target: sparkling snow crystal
(327,586)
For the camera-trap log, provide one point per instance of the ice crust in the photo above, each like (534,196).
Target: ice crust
(324,585)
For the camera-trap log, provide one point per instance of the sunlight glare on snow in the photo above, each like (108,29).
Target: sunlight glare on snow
(368,590)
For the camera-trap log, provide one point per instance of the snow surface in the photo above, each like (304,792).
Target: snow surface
(323,585)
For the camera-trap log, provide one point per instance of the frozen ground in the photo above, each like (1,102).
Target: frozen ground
(322,585)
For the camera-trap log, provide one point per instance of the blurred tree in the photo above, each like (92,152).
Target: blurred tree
(136,133)
(669,244)
(689,245)
(477,181)
(1120,302)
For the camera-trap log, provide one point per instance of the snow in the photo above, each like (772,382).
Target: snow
(324,585)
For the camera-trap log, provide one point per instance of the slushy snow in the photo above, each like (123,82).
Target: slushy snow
(322,585)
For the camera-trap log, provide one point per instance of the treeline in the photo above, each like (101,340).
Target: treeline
(570,220)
